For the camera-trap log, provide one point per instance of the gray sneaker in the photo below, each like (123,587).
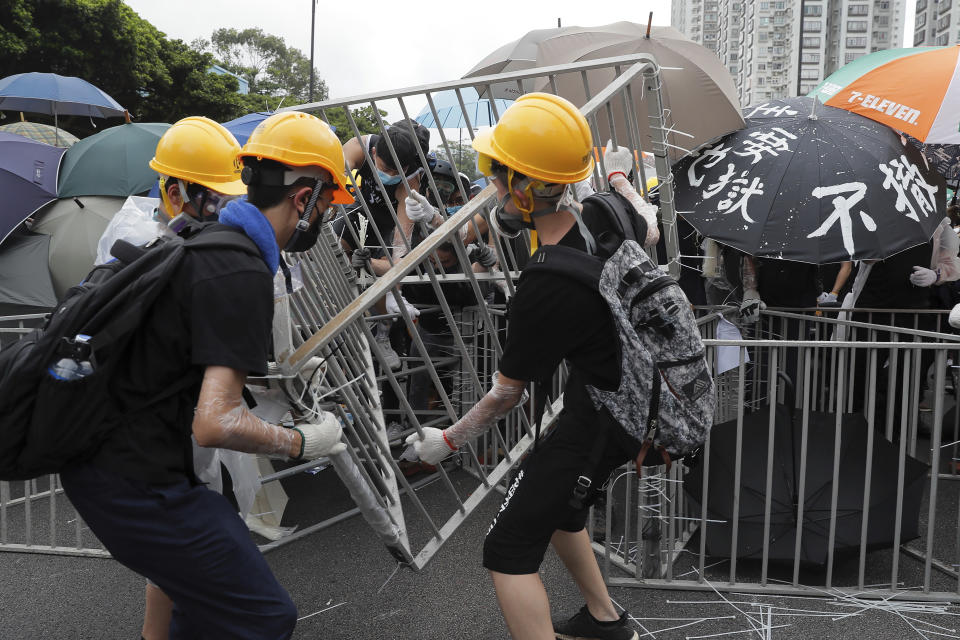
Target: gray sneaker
(390,357)
(394,434)
(583,626)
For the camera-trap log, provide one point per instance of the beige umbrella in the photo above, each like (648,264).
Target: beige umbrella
(518,55)
(74,226)
(697,89)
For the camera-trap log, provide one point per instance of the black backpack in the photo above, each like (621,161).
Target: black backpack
(666,398)
(46,423)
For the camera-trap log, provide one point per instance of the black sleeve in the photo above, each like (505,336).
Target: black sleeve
(231,323)
(539,329)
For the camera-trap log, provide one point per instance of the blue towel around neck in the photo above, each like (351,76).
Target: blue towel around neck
(242,214)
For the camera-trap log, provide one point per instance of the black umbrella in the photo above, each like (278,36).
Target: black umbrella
(811,183)
(817,490)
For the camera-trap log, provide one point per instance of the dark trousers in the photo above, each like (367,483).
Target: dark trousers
(193,545)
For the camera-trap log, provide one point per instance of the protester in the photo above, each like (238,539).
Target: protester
(196,158)
(208,329)
(539,148)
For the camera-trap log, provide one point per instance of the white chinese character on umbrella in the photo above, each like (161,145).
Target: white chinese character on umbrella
(903,176)
(743,188)
(761,142)
(842,207)
(713,156)
(720,184)
(768,109)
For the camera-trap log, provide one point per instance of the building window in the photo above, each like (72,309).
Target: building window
(764,6)
(883,5)
(811,42)
(858,10)
(807,88)
(761,66)
(778,51)
(943,39)
(921,5)
(810,58)
(858,42)
(882,21)
(920,21)
(810,74)
(812,10)
(879,36)
(943,22)
(815,26)
(762,36)
(850,57)
(764,22)
(919,37)
(760,81)
(857,26)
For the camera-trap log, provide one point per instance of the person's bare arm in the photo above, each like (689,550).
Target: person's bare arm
(353,152)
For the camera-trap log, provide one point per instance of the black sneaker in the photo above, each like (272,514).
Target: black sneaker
(583,626)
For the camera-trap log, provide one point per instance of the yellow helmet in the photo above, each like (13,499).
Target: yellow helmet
(542,136)
(299,139)
(199,150)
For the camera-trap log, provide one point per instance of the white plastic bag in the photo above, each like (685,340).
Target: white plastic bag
(133,223)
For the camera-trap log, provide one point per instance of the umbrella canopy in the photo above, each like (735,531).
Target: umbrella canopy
(75,226)
(697,89)
(910,90)
(450,115)
(42,133)
(56,95)
(519,55)
(945,158)
(28,178)
(811,183)
(113,162)
(242,127)
(24,274)
(818,486)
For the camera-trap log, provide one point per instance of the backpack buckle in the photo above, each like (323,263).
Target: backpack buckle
(580,492)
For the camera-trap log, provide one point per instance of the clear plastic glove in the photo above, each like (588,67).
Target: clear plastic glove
(751,306)
(954,318)
(393,308)
(482,254)
(418,208)
(923,277)
(826,298)
(617,160)
(432,446)
(360,258)
(321,439)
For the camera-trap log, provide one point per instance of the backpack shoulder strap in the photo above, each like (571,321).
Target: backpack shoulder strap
(222,236)
(566,261)
(620,219)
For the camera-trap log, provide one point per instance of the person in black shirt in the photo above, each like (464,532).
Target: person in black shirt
(184,374)
(539,148)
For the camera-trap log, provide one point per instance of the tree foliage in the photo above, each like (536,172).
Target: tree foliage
(106,43)
(464,157)
(363,117)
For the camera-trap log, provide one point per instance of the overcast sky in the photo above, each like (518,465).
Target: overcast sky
(376,46)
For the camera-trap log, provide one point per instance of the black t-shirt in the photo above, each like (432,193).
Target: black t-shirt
(786,283)
(217,310)
(888,286)
(554,319)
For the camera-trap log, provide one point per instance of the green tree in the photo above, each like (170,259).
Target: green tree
(464,157)
(364,118)
(268,64)
(106,43)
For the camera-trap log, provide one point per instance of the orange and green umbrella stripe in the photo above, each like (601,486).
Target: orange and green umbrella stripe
(852,71)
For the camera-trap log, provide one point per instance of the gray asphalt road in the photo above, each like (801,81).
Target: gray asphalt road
(344,585)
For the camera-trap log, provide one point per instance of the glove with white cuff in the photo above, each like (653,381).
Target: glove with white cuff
(827,299)
(321,439)
(419,209)
(433,446)
(617,160)
(392,306)
(923,277)
(751,306)
(360,258)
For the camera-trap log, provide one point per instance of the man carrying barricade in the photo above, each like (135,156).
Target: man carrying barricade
(540,147)
(183,373)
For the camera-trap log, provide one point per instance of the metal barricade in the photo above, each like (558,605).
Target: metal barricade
(662,534)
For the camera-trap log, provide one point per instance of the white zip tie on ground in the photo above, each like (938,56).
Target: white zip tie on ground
(310,615)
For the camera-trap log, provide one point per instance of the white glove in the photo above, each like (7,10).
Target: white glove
(751,306)
(418,208)
(954,318)
(923,277)
(827,298)
(321,439)
(617,160)
(310,367)
(393,308)
(432,447)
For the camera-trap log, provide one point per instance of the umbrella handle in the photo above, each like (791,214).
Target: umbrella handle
(790,391)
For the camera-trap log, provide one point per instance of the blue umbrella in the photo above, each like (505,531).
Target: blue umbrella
(450,116)
(242,127)
(28,178)
(56,95)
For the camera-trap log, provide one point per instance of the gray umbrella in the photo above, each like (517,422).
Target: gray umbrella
(697,90)
(518,55)
(24,274)
(75,226)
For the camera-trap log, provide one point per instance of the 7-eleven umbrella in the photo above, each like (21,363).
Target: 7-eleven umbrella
(910,90)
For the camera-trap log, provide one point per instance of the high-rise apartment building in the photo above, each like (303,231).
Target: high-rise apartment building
(936,23)
(779,48)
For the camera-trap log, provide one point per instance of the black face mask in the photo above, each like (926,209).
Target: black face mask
(304,237)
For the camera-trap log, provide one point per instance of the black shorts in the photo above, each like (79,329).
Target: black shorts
(537,502)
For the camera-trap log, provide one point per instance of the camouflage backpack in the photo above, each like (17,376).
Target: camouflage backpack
(667,397)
